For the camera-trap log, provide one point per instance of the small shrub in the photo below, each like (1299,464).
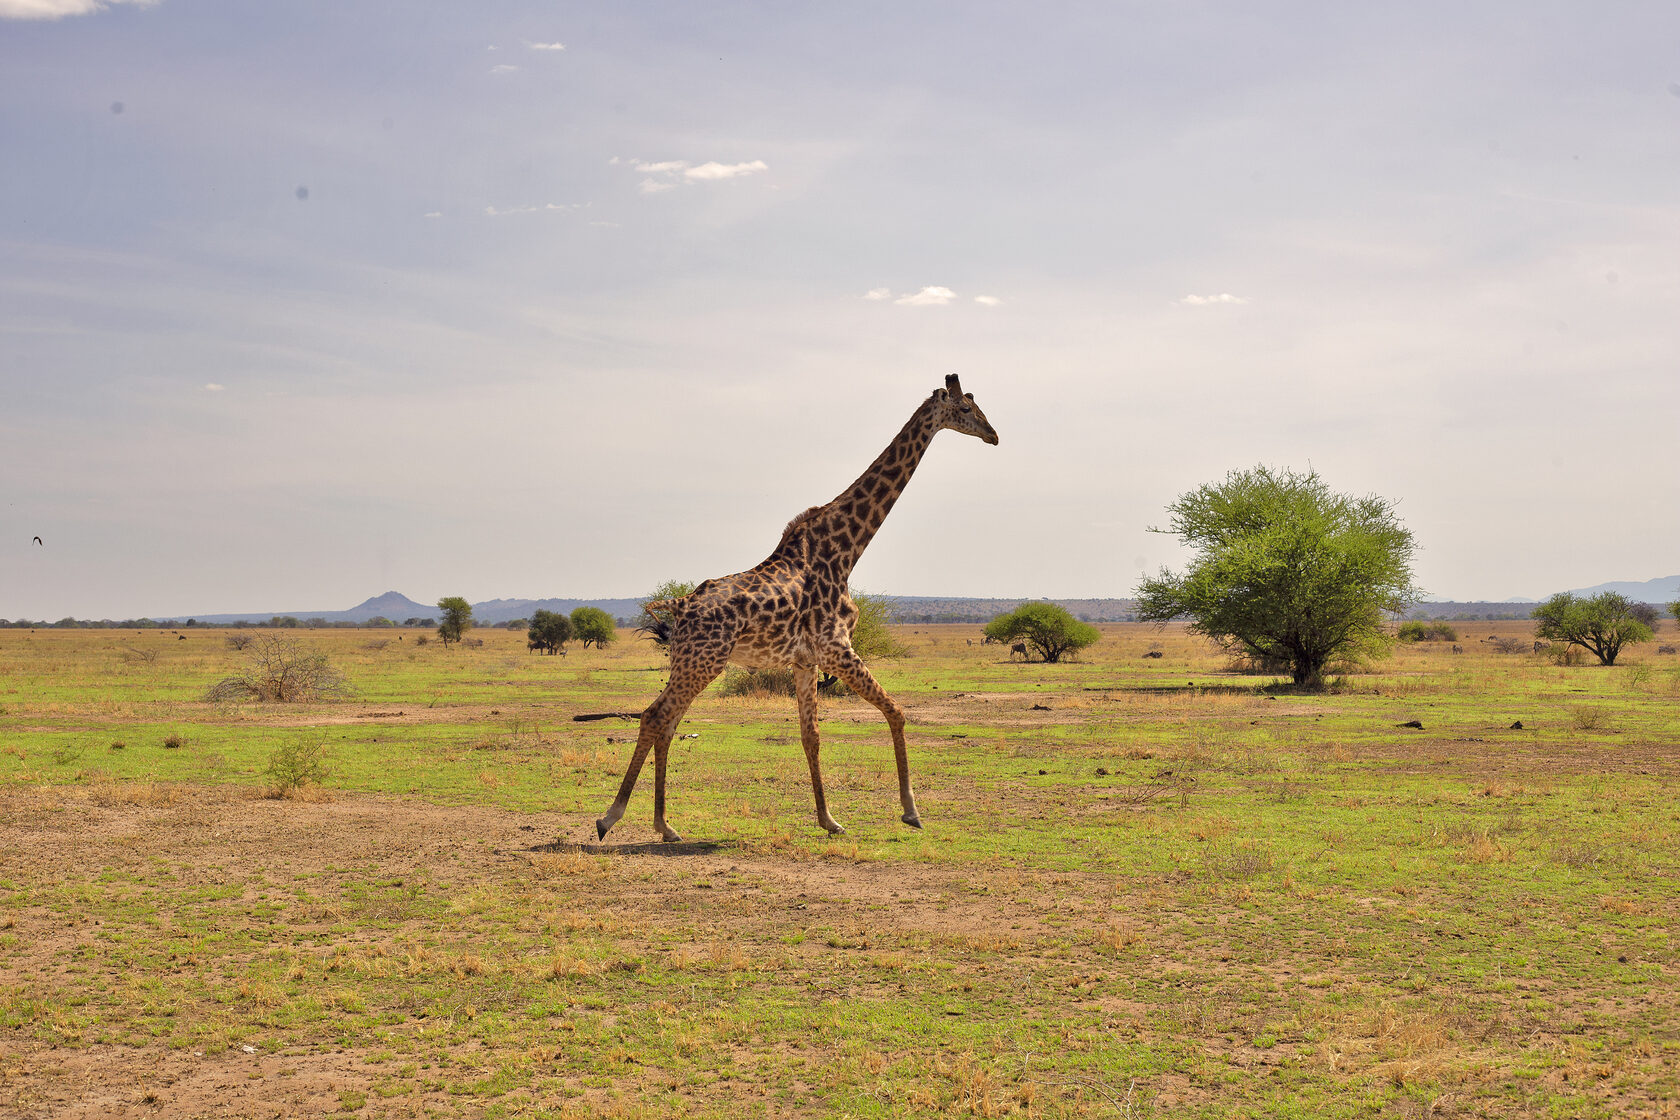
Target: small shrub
(422,640)
(239,641)
(295,765)
(174,742)
(1566,655)
(1587,717)
(1508,645)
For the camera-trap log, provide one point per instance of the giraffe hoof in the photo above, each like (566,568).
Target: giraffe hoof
(835,828)
(601,827)
(912,820)
(670,837)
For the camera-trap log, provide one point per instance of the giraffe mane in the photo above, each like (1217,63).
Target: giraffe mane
(799,523)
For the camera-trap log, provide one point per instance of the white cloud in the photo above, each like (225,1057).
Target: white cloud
(725,170)
(545,46)
(213,387)
(434,213)
(503,68)
(989,301)
(1204,301)
(931,296)
(58,9)
(670,165)
(878,293)
(664,174)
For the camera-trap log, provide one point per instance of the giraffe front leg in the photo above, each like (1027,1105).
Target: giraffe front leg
(851,669)
(805,686)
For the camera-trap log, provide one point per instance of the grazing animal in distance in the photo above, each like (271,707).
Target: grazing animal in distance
(1020,648)
(793,611)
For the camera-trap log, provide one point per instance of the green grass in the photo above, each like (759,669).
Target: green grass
(1148,887)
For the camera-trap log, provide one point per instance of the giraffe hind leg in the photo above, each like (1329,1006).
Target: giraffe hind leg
(805,686)
(689,677)
(851,669)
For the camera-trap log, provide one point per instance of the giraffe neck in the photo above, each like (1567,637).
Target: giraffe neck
(850,521)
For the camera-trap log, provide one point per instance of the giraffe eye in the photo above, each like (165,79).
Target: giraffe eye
(967,408)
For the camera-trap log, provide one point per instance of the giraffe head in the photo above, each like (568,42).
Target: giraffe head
(956,410)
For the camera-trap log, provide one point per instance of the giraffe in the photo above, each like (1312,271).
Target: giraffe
(793,611)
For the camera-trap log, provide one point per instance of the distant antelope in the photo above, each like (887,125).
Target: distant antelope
(1541,647)
(1020,648)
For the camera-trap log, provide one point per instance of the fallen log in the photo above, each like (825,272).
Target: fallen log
(585,717)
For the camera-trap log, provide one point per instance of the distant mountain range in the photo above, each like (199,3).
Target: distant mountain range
(1664,589)
(399,608)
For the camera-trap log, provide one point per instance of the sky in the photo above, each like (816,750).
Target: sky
(304,302)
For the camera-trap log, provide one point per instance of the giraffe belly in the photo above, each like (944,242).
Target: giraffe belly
(766,650)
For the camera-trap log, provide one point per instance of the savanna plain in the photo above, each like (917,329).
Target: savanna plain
(1149,886)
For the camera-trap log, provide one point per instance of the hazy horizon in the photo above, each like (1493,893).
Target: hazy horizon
(297,302)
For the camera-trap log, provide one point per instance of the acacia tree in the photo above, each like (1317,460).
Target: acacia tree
(1046,627)
(1286,571)
(592,624)
(1603,623)
(457,618)
(550,631)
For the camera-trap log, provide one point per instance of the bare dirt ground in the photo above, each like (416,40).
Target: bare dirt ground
(216,839)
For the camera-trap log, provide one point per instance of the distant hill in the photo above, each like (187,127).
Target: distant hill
(399,608)
(1663,589)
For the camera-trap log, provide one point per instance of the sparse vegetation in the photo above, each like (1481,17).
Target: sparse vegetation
(1148,886)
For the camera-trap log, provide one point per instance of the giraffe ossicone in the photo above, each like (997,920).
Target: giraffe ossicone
(793,612)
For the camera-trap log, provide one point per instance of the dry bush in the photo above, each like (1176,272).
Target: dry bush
(280,669)
(1509,645)
(239,641)
(1588,717)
